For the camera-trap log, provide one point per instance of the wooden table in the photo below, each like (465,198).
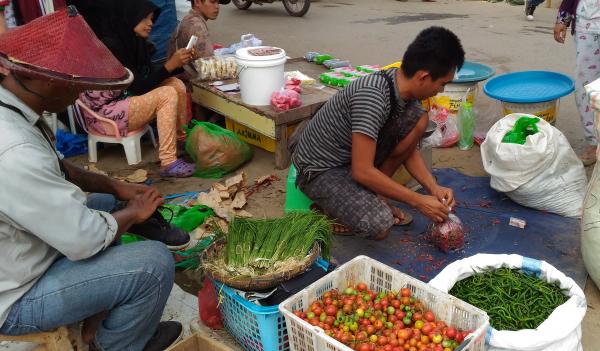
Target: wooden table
(264,119)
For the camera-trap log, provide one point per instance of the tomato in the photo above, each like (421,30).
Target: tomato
(419,324)
(348,291)
(396,303)
(405,301)
(370,329)
(391,310)
(347,308)
(330,310)
(427,328)
(361,287)
(425,339)
(417,316)
(451,333)
(377,306)
(364,347)
(460,337)
(429,316)
(329,320)
(373,338)
(382,340)
(406,320)
(360,312)
(437,339)
(317,310)
(405,292)
(446,343)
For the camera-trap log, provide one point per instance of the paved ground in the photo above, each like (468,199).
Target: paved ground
(377,32)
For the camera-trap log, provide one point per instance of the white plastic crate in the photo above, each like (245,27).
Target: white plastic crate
(379,277)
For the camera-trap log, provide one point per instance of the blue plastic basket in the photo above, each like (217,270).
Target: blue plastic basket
(256,328)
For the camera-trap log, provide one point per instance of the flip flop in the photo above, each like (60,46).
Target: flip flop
(316,208)
(407,219)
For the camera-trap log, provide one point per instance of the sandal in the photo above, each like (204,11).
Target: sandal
(336,227)
(178,169)
(401,218)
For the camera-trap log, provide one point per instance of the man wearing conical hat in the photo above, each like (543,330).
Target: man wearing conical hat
(58,264)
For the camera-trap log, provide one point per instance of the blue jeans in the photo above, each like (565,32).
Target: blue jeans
(132,282)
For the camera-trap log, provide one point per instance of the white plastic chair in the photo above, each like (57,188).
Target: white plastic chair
(131,143)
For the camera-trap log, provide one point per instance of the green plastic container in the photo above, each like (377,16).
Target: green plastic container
(295,200)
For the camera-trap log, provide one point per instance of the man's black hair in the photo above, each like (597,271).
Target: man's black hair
(435,50)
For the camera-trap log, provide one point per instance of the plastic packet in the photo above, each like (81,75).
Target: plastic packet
(448,235)
(285,99)
(215,68)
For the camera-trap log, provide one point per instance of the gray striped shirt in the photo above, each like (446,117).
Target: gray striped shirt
(363,107)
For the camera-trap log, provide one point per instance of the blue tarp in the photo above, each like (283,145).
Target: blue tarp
(485,214)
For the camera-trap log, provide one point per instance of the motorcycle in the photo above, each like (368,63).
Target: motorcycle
(296,8)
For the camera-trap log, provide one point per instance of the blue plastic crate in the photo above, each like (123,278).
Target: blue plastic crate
(256,328)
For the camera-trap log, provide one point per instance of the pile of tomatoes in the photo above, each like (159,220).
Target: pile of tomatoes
(367,321)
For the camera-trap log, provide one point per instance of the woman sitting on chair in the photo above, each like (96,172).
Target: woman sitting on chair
(153,93)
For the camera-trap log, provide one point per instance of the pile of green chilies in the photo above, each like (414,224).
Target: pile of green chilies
(513,300)
(260,243)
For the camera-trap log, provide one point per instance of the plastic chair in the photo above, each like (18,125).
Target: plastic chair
(131,142)
(295,199)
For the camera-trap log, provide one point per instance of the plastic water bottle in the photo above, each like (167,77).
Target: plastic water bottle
(466,126)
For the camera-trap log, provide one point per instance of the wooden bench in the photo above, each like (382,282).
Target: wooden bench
(61,339)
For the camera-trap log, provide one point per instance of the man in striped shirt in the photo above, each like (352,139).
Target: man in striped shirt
(346,155)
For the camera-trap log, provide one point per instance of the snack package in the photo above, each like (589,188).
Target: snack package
(215,68)
(448,235)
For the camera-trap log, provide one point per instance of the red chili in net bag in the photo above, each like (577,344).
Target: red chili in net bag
(448,235)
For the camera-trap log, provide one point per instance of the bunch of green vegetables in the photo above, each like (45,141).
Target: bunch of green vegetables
(261,243)
(512,299)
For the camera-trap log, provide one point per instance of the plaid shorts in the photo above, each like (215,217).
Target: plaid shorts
(347,202)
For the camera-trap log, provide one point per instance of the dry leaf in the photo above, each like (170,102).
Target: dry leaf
(239,201)
(212,199)
(92,168)
(224,194)
(223,225)
(239,180)
(262,179)
(139,176)
(243,214)
(219,187)
(224,213)
(201,232)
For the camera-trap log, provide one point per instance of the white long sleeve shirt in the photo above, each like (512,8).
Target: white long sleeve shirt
(42,215)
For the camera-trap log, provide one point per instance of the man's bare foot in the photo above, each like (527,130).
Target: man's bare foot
(588,156)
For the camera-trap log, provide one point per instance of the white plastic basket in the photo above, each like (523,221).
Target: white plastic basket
(379,277)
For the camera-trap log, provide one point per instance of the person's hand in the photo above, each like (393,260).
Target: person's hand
(127,191)
(444,195)
(431,207)
(560,32)
(180,58)
(144,204)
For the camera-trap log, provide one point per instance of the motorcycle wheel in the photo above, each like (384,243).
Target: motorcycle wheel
(296,8)
(242,4)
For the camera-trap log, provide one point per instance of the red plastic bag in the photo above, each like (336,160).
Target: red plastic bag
(285,99)
(448,235)
(208,305)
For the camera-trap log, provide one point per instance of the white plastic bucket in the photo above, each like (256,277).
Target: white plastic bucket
(260,76)
(545,110)
(452,95)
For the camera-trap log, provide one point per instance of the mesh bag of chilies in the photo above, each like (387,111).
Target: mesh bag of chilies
(448,235)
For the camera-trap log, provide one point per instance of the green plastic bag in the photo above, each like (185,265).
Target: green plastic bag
(186,218)
(524,127)
(216,151)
